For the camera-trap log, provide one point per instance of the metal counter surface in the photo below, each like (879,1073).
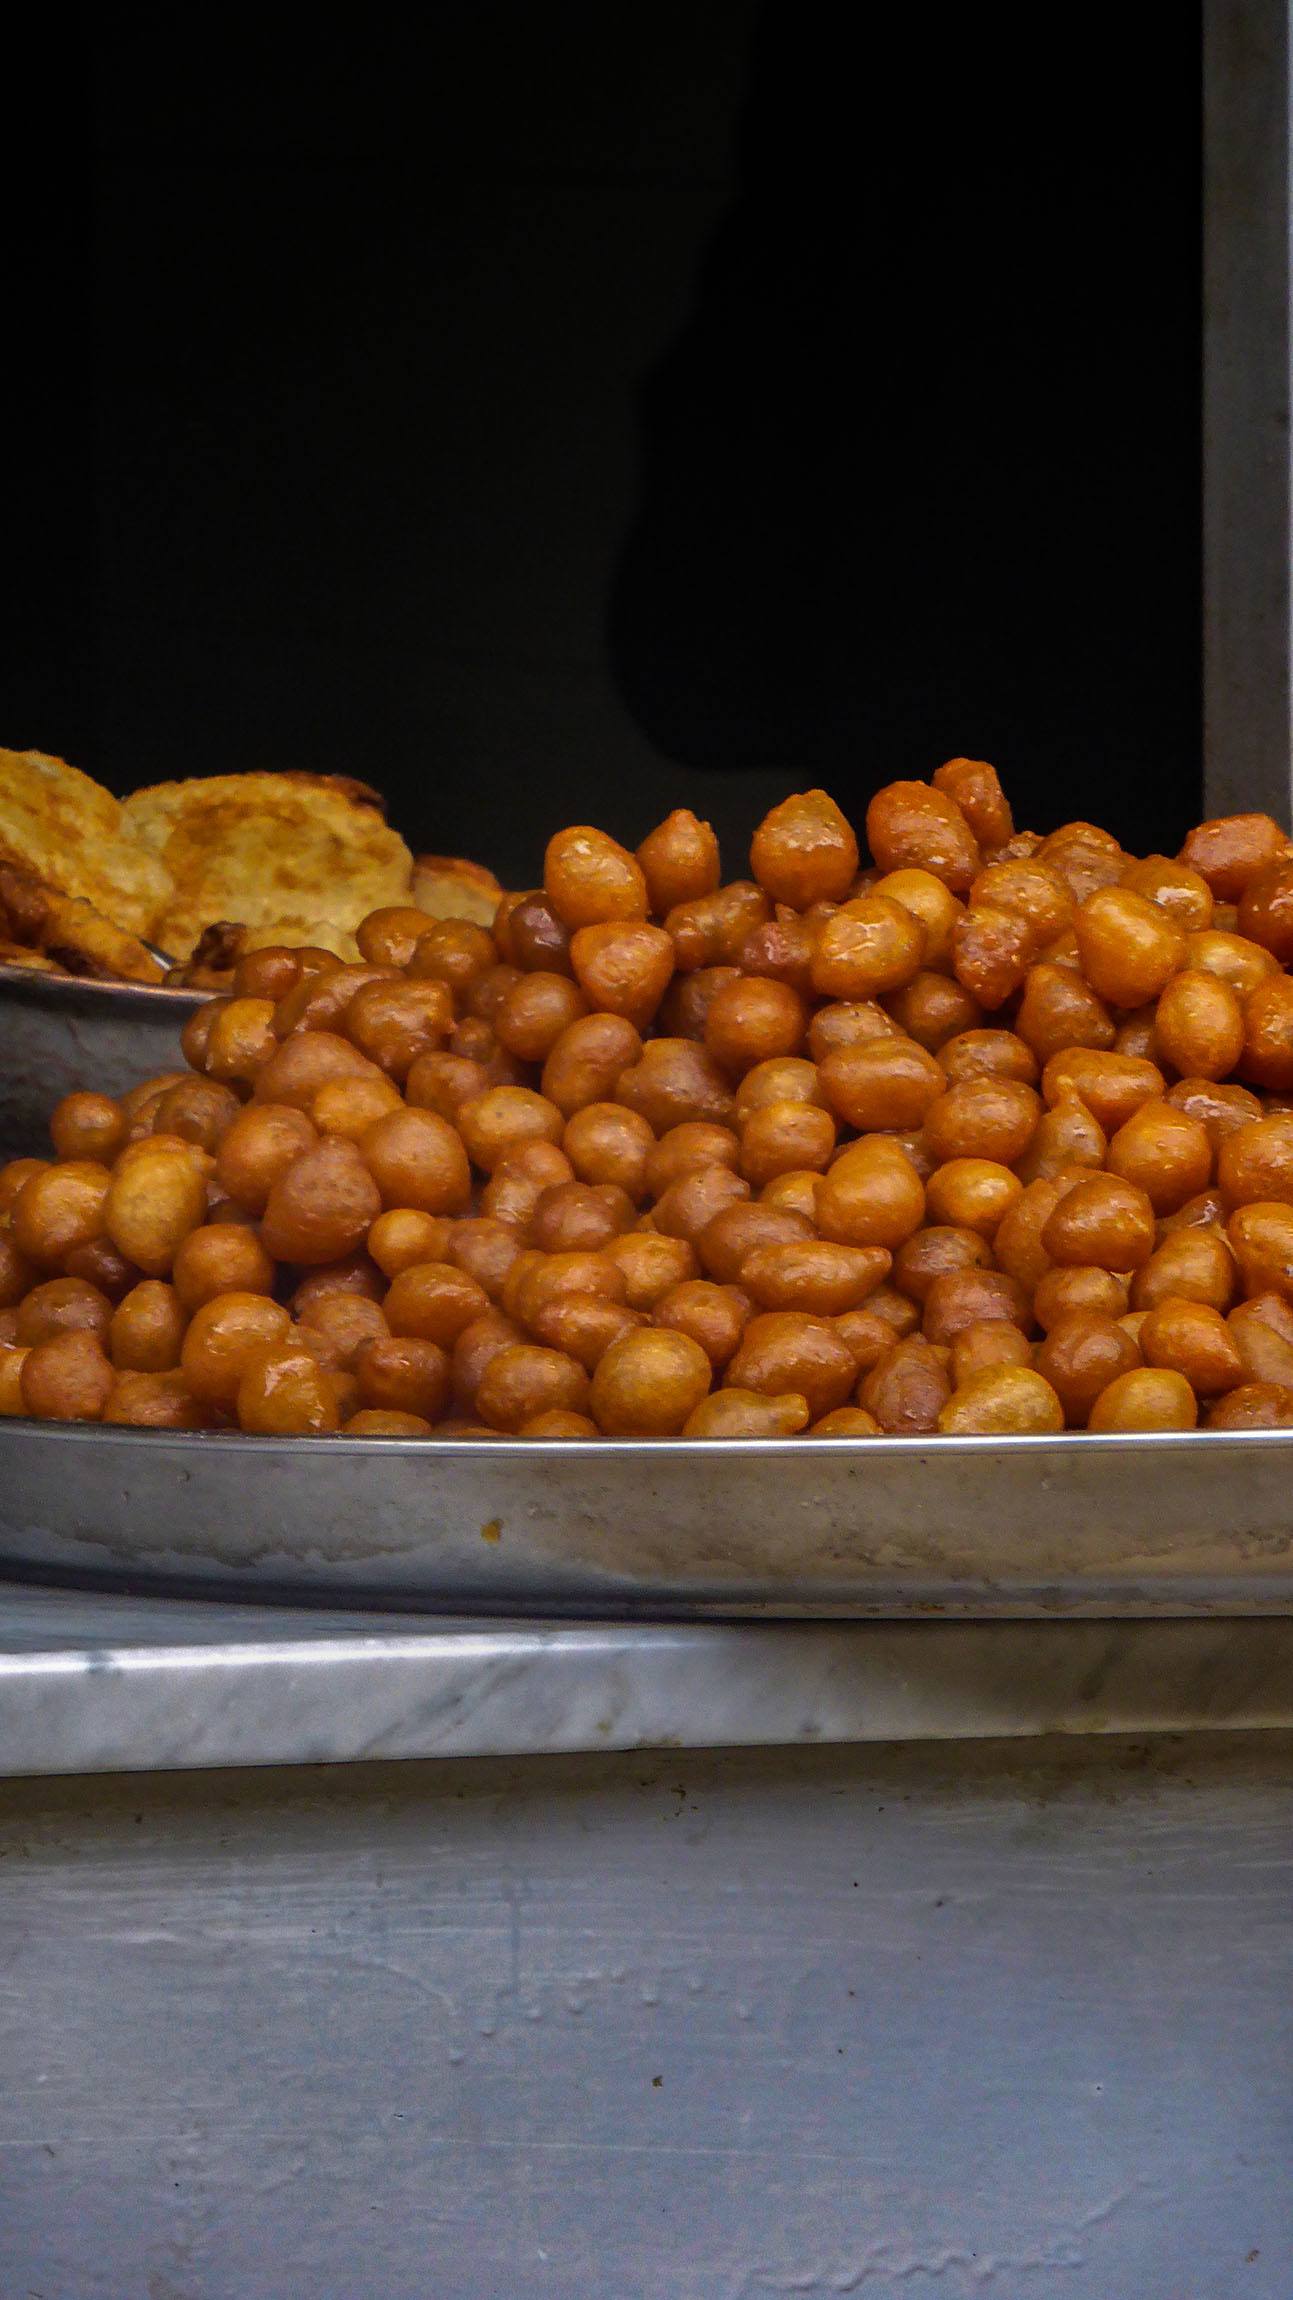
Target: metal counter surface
(92,1684)
(976,2020)
(597,2004)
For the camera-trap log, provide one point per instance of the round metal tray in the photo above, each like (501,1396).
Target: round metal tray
(57,1034)
(1170,1524)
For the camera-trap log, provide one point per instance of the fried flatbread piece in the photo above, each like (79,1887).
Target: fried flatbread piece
(220,947)
(70,833)
(362,793)
(446,886)
(17,954)
(24,904)
(303,934)
(215,955)
(84,942)
(261,848)
(70,932)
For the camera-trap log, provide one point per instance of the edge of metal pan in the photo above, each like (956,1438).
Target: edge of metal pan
(58,1033)
(1165,1524)
(79,994)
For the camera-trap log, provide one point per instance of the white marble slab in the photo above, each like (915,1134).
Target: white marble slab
(105,1684)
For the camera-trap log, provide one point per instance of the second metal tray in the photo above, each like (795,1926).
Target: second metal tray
(1168,1524)
(57,1034)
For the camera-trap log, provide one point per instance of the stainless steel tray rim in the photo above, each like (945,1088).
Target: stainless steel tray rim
(1067,1443)
(73,991)
(1174,1522)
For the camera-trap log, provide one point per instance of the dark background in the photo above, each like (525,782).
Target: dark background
(571,412)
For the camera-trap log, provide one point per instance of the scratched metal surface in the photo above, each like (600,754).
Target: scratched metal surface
(1097,1525)
(918,2024)
(57,1034)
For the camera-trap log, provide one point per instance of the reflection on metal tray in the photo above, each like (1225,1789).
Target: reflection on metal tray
(1080,1525)
(57,1034)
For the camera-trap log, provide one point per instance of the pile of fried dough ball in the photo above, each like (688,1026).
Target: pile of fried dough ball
(993,1135)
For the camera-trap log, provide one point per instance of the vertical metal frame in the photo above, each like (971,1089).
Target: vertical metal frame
(1247,499)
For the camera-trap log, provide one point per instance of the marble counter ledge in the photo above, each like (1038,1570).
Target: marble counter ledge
(92,1684)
